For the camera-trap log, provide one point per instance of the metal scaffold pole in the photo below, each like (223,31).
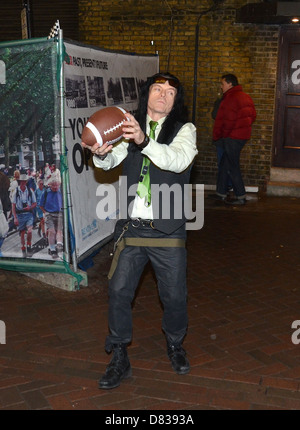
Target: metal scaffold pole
(65,183)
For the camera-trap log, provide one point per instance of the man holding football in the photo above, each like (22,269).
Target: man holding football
(158,143)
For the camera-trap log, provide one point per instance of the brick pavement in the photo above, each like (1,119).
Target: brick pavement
(244,294)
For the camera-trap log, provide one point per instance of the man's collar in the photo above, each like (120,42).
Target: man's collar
(160,121)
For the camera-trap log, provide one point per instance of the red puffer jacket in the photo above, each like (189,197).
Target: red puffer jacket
(235,115)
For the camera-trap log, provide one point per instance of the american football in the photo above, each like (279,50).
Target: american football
(104,126)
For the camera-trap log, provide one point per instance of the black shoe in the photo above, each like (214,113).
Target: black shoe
(177,356)
(217,197)
(119,368)
(236,202)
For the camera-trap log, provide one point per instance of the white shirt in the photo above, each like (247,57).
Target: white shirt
(12,187)
(55,176)
(175,157)
(47,175)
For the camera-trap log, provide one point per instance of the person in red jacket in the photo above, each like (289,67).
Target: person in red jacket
(232,129)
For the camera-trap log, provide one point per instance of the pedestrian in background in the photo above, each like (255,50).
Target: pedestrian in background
(232,129)
(39,213)
(51,204)
(23,205)
(5,207)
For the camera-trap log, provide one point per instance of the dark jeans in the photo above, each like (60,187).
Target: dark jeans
(230,165)
(169,264)
(220,153)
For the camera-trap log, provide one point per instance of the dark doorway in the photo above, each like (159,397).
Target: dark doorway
(286,149)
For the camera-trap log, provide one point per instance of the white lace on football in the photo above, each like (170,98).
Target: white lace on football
(112,129)
(111,142)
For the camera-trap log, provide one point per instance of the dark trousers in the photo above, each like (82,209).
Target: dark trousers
(220,153)
(230,165)
(169,264)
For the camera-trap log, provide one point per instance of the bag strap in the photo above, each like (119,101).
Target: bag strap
(139,241)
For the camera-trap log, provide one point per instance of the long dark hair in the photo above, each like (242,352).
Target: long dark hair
(177,114)
(4,182)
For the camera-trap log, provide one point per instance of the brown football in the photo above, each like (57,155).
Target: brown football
(104,126)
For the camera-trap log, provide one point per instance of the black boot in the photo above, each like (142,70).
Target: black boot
(119,368)
(177,356)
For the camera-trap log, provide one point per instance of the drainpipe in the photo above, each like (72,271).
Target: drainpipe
(216,5)
(195,87)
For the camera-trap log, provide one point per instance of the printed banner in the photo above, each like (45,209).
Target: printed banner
(30,152)
(95,79)
(30,143)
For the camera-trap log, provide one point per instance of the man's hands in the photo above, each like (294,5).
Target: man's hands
(96,149)
(131,131)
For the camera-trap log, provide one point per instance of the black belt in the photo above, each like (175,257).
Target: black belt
(139,222)
(19,211)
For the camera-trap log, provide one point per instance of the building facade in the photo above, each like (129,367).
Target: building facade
(199,41)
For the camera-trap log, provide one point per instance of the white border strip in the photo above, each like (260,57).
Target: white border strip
(123,110)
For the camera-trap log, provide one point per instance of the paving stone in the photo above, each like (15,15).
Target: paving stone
(243,288)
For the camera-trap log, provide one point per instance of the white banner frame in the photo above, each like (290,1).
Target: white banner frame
(93,79)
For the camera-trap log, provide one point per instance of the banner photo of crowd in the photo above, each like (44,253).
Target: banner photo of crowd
(31,218)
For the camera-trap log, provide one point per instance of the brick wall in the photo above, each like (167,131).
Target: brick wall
(249,51)
(43,15)
(169,27)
